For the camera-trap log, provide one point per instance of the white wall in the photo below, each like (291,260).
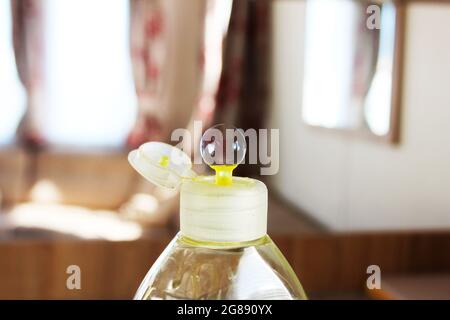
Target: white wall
(351,183)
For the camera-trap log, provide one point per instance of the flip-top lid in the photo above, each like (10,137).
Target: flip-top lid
(162,164)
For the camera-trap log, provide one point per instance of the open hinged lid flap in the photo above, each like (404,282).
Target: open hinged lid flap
(162,164)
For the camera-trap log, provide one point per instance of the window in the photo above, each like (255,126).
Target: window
(90,92)
(89,97)
(349,67)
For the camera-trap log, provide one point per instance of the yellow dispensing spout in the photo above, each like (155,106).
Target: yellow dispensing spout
(224,174)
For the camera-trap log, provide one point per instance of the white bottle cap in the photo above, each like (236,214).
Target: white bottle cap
(208,211)
(235,213)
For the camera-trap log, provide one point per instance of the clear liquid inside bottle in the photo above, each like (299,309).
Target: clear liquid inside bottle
(190,269)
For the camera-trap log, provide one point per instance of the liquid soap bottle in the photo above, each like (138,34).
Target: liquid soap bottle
(222,250)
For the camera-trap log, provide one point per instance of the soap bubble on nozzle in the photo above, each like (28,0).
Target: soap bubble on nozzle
(222,145)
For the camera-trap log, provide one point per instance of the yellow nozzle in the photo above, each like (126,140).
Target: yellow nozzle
(224,174)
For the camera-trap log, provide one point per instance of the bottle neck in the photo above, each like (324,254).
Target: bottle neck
(222,245)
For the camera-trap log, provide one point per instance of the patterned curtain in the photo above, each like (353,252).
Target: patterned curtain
(176,49)
(28,25)
(176,65)
(166,50)
(242,99)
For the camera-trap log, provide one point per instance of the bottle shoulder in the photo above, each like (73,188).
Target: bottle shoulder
(188,269)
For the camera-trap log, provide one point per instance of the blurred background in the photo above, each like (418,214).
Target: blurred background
(357,89)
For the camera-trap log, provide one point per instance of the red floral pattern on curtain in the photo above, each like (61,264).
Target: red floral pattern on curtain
(147,53)
(28,40)
(167,42)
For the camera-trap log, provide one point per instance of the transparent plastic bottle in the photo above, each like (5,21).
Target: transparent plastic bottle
(189,269)
(222,250)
